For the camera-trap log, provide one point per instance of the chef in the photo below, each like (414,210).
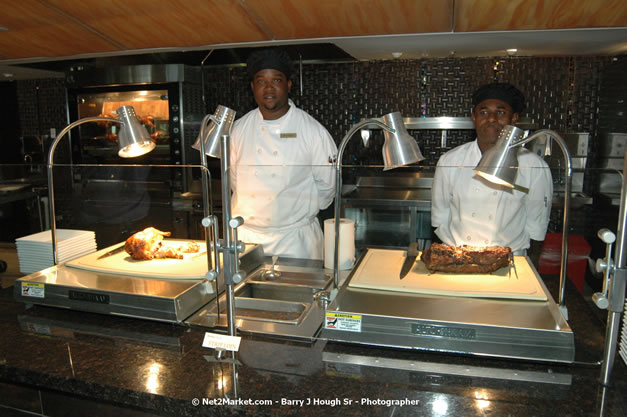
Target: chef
(282,161)
(469,210)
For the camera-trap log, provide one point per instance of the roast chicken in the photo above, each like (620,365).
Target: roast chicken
(148,244)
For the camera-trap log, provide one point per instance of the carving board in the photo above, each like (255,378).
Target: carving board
(193,266)
(380,268)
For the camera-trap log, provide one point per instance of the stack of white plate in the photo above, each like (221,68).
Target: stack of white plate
(623,342)
(34,251)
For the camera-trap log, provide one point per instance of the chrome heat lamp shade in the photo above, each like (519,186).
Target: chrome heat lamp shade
(400,148)
(133,139)
(221,123)
(499,164)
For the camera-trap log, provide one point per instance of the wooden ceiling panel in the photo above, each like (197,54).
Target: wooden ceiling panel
(35,30)
(141,24)
(302,19)
(488,15)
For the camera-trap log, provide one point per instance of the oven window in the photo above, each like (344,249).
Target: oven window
(151,107)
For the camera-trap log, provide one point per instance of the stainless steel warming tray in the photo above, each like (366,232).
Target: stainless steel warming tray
(518,327)
(287,305)
(118,293)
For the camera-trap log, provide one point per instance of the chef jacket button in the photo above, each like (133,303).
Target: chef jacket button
(275,153)
(473,214)
(258,150)
(490,217)
(468,238)
(494,192)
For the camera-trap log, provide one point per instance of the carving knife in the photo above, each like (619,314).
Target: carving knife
(112,252)
(412,253)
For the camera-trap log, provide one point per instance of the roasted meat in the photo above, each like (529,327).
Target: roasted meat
(148,244)
(466,259)
(145,244)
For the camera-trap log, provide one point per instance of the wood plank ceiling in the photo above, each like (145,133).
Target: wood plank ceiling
(53,29)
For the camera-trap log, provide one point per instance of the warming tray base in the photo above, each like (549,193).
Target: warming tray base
(509,328)
(169,300)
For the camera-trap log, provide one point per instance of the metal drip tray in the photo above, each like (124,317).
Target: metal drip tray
(311,279)
(276,292)
(276,311)
(283,306)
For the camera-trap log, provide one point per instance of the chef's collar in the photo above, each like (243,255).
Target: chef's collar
(280,119)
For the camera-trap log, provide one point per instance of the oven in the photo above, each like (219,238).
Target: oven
(168,102)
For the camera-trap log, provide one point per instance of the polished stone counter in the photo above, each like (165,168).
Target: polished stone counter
(61,362)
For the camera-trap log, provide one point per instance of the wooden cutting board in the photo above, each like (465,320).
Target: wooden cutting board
(193,266)
(380,270)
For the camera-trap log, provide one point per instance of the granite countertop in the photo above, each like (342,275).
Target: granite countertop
(149,368)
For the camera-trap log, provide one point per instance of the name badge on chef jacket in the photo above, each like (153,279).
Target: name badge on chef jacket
(287,135)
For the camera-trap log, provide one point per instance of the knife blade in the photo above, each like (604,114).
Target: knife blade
(112,251)
(412,253)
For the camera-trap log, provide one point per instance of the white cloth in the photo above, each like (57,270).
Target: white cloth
(282,175)
(468,210)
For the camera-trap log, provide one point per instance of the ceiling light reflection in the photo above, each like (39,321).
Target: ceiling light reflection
(482,400)
(440,406)
(152,380)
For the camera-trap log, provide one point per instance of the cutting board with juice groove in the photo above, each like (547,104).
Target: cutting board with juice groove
(193,266)
(380,268)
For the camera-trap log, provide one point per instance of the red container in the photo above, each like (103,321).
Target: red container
(578,252)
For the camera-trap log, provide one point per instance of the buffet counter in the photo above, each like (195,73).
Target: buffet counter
(55,361)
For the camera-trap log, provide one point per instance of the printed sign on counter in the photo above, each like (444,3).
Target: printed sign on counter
(31,289)
(343,321)
(221,342)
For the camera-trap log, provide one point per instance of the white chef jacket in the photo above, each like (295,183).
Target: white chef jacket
(469,210)
(282,175)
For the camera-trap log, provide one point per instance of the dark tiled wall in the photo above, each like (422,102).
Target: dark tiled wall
(42,105)
(562,94)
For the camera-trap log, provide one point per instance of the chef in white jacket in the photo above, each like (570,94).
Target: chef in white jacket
(282,165)
(468,210)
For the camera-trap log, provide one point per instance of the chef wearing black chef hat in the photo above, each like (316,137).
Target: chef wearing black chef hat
(468,210)
(282,160)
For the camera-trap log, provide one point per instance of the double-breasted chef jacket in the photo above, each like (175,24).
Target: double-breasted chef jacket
(469,210)
(282,176)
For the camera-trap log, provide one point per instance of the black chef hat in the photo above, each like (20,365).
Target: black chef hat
(269,58)
(500,91)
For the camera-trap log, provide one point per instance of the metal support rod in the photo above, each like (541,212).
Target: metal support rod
(338,190)
(53,147)
(207,195)
(567,187)
(228,259)
(616,290)
(207,198)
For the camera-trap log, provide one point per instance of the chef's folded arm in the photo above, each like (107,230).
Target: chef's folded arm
(323,169)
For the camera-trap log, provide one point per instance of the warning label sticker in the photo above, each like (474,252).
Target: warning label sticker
(31,289)
(343,321)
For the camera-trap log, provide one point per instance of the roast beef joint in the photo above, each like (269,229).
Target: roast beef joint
(466,259)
